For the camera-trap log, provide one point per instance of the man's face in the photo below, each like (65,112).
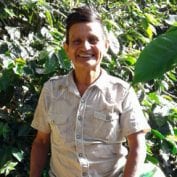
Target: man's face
(87,45)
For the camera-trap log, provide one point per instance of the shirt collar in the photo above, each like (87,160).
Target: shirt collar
(100,83)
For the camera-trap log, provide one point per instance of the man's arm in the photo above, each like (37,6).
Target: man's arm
(40,148)
(136,156)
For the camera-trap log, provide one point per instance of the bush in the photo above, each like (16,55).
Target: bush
(31,39)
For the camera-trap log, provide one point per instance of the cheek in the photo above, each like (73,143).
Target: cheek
(70,54)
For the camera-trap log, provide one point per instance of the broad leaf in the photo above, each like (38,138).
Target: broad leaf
(157,58)
(8,167)
(157,134)
(18,154)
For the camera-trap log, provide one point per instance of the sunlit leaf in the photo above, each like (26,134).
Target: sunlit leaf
(151,19)
(8,167)
(157,58)
(9,12)
(150,31)
(49,18)
(154,97)
(172,138)
(157,134)
(18,154)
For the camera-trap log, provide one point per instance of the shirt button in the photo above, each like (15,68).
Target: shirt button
(108,118)
(78,136)
(80,154)
(79,118)
(84,174)
(82,101)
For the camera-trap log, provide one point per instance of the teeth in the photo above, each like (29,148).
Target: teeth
(85,55)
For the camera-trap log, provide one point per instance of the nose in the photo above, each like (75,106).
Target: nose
(86,45)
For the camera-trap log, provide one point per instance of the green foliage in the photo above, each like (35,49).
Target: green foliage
(31,39)
(157,58)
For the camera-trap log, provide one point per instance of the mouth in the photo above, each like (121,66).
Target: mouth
(86,56)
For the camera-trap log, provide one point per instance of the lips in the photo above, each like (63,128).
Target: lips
(86,56)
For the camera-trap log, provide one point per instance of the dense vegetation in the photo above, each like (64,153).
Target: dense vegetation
(31,38)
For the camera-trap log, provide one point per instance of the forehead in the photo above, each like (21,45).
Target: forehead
(88,28)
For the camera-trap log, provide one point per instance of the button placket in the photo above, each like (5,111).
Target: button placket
(85,174)
(79,137)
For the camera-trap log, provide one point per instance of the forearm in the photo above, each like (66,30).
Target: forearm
(134,163)
(38,158)
(136,155)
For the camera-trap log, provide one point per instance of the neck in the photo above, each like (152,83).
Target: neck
(84,79)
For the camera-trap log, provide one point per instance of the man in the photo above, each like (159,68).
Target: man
(85,116)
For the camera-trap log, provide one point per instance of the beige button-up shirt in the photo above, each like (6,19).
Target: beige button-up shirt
(87,132)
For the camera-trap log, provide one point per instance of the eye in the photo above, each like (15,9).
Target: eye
(76,41)
(93,40)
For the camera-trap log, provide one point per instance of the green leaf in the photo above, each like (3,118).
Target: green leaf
(154,97)
(5,154)
(49,18)
(172,140)
(9,12)
(3,47)
(51,63)
(5,130)
(158,134)
(175,131)
(149,173)
(157,58)
(7,79)
(63,60)
(18,154)
(151,19)
(152,159)
(8,167)
(19,65)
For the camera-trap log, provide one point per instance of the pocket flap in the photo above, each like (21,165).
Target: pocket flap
(106,117)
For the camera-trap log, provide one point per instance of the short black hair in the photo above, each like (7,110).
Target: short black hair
(81,15)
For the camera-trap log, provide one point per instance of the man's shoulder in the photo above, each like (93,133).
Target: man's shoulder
(56,81)
(114,80)
(58,78)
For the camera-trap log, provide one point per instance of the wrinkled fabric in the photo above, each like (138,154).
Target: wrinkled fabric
(87,132)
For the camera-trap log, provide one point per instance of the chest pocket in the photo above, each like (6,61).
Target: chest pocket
(103,126)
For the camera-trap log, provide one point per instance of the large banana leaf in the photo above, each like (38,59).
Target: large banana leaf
(158,57)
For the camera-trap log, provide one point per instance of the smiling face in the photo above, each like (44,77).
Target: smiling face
(86,46)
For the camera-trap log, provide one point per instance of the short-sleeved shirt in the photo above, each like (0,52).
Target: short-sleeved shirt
(87,131)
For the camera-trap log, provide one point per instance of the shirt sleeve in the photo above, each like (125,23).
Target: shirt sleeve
(132,117)
(40,120)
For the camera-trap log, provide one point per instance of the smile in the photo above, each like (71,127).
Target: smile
(88,56)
